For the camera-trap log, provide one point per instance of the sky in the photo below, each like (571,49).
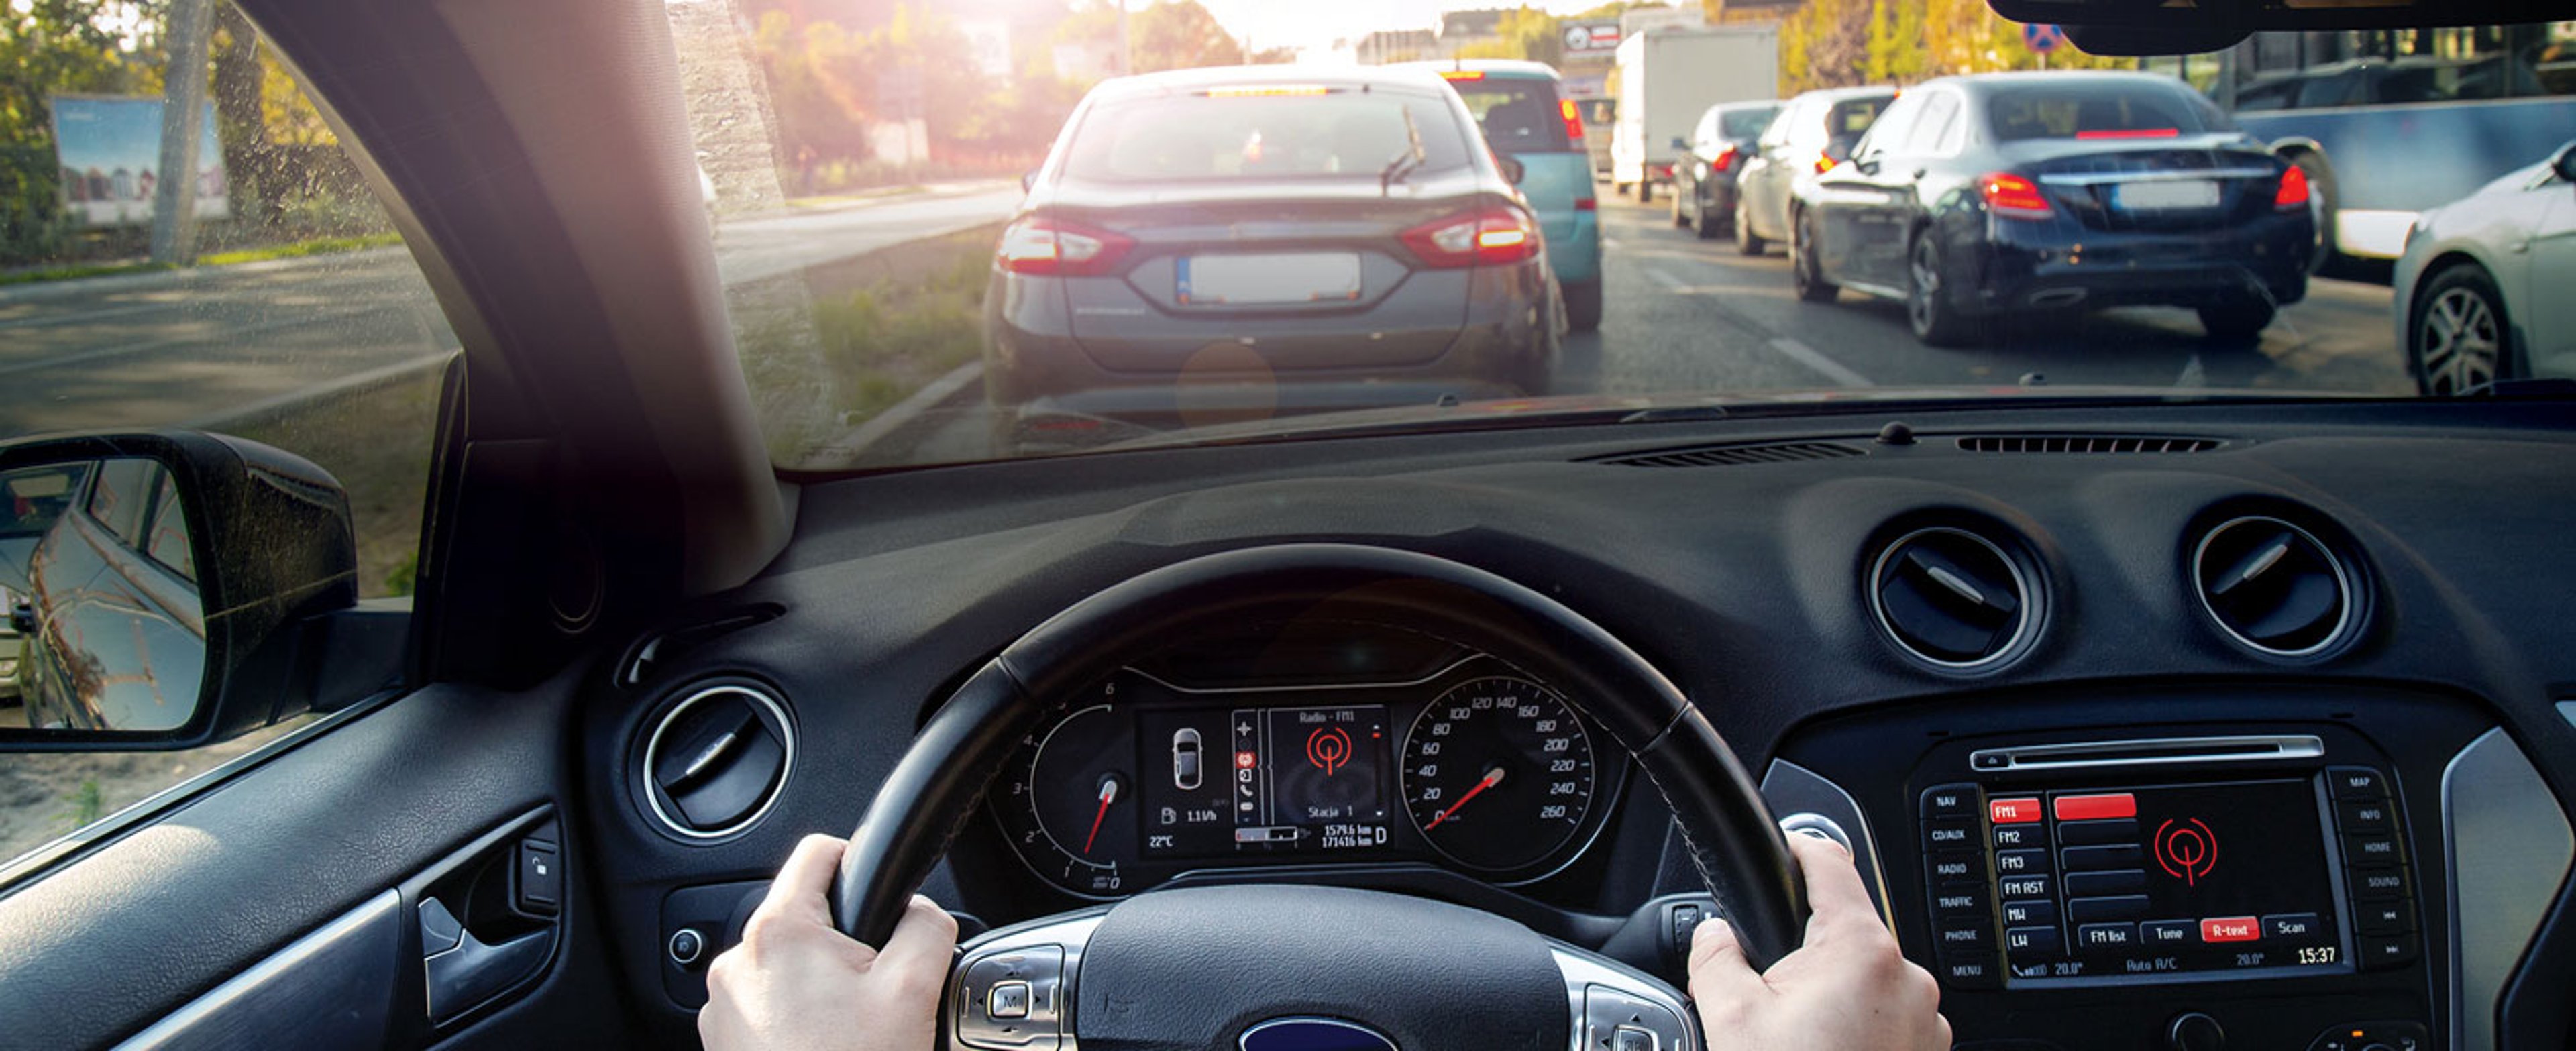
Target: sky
(1317,23)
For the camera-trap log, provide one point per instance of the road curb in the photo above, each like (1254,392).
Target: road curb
(856,443)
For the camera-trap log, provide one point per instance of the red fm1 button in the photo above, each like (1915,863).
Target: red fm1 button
(2231,929)
(2013,811)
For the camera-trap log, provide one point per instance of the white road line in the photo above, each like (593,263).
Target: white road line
(2193,376)
(92,315)
(1667,280)
(1814,359)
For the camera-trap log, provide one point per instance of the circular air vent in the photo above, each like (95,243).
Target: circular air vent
(1953,598)
(2274,586)
(714,762)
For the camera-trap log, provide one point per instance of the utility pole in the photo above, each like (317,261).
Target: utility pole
(1126,49)
(174,196)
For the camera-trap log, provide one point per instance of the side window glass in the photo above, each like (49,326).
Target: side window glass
(119,496)
(1940,114)
(165,534)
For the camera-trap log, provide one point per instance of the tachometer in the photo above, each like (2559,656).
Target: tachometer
(1498,773)
(1069,806)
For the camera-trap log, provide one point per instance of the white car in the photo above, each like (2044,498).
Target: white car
(2482,288)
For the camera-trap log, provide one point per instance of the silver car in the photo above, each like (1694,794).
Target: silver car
(2482,285)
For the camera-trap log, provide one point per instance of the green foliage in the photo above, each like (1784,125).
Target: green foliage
(1895,43)
(1826,45)
(50,47)
(84,807)
(829,81)
(889,338)
(1842,43)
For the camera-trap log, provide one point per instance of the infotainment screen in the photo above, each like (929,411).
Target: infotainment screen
(2163,880)
(1280,779)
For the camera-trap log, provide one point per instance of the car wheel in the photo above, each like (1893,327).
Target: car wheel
(1746,241)
(1929,311)
(1680,217)
(2236,322)
(1702,223)
(1583,306)
(2459,338)
(1804,271)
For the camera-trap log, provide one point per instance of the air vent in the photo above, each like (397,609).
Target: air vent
(1953,598)
(2274,586)
(1735,455)
(714,763)
(2084,443)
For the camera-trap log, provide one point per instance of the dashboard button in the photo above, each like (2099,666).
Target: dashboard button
(2163,933)
(1968,970)
(2100,910)
(2097,833)
(2356,782)
(2376,849)
(2020,862)
(2106,937)
(2102,884)
(2022,888)
(1607,1011)
(1631,1038)
(1686,917)
(2380,883)
(2364,815)
(2020,913)
(2013,811)
(2088,808)
(1959,899)
(2292,927)
(2030,943)
(1940,801)
(1965,934)
(1951,833)
(2384,917)
(2225,929)
(2010,837)
(2121,856)
(1959,866)
(2391,950)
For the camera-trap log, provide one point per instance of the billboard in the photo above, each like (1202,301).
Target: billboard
(1591,39)
(110,149)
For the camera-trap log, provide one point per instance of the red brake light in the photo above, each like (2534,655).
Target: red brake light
(2130,133)
(1824,164)
(1046,246)
(2294,189)
(1485,237)
(1725,159)
(2013,197)
(1462,74)
(1573,119)
(1586,204)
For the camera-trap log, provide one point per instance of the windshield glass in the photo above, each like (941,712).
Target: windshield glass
(982,230)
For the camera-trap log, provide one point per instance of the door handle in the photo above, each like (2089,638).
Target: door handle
(472,972)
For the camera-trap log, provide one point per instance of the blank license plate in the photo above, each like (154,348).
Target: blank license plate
(1302,277)
(2155,196)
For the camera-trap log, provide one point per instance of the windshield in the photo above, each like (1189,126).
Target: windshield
(1004,229)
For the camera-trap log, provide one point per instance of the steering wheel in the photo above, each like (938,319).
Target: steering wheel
(1287,966)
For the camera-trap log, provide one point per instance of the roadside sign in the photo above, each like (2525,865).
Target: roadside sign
(1591,38)
(2042,38)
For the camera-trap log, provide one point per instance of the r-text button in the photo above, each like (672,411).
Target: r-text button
(2231,929)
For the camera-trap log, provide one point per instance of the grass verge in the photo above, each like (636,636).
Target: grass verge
(300,249)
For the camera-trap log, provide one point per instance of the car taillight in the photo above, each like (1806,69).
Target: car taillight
(1044,246)
(1825,164)
(1725,159)
(2294,189)
(1485,237)
(1573,119)
(1586,204)
(2012,196)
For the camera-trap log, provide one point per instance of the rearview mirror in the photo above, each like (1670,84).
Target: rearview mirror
(161,586)
(1513,170)
(1680,143)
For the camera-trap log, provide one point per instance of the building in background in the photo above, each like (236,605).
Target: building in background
(1461,29)
(1387,46)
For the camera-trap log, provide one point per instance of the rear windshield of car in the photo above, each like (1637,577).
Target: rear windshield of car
(1519,116)
(2068,111)
(1744,123)
(1851,117)
(1266,132)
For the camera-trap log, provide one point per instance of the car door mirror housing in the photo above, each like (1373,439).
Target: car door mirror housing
(1513,170)
(1680,143)
(2565,163)
(170,588)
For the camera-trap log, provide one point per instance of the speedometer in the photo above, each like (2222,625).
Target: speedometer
(1498,773)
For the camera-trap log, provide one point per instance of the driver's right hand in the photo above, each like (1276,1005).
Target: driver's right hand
(1848,988)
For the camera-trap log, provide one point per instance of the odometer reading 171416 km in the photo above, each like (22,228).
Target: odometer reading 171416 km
(1498,774)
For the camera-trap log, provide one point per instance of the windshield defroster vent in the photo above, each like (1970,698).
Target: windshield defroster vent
(2084,443)
(1953,598)
(1734,455)
(2274,586)
(714,762)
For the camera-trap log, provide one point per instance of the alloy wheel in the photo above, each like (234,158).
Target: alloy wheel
(2457,340)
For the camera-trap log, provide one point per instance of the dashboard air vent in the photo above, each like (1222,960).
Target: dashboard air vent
(1952,597)
(2274,586)
(714,763)
(2084,443)
(1735,455)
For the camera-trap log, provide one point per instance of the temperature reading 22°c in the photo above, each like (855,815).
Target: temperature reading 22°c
(1498,774)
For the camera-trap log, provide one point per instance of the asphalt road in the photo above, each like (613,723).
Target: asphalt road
(202,347)
(1691,316)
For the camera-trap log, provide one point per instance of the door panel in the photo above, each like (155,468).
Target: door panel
(141,925)
(2549,324)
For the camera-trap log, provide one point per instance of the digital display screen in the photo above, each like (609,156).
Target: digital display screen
(2164,879)
(1266,780)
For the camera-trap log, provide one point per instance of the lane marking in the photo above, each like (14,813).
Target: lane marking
(2193,376)
(1814,359)
(850,447)
(214,341)
(1666,279)
(93,315)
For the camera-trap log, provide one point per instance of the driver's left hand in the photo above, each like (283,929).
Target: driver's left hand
(796,983)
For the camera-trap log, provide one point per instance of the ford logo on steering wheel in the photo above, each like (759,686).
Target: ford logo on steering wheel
(1314,1034)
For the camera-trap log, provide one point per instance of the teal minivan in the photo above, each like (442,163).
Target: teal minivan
(1527,116)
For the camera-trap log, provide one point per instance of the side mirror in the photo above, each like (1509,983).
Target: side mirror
(1028,180)
(164,587)
(1680,143)
(1839,148)
(2565,163)
(1513,170)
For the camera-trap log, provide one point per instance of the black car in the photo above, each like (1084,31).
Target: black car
(1720,147)
(1213,244)
(1977,196)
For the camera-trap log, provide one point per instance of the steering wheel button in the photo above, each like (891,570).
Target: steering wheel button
(1010,1000)
(1631,1038)
(1007,1000)
(1609,1015)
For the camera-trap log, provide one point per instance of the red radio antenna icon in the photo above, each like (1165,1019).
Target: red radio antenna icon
(2186,849)
(1329,749)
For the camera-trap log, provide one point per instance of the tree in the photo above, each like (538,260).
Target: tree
(50,47)
(1895,43)
(1826,45)
(1180,34)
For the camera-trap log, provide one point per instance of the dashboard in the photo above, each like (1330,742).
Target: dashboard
(2139,721)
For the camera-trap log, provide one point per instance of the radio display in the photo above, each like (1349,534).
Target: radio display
(1286,779)
(2163,880)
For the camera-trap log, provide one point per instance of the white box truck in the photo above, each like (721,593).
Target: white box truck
(1666,78)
